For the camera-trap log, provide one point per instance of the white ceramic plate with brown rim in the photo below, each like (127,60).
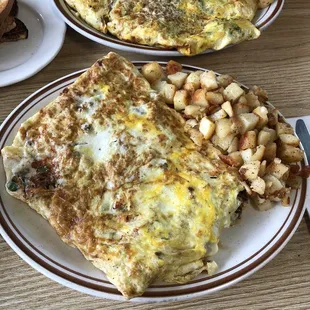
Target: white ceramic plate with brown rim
(245,248)
(262,20)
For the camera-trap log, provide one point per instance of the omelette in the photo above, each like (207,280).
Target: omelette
(109,165)
(190,26)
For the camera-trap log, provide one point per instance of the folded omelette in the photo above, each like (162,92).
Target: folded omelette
(109,165)
(191,26)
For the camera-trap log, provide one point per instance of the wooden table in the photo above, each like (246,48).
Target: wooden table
(280,62)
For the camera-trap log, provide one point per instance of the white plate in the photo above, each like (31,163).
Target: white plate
(246,247)
(22,59)
(262,20)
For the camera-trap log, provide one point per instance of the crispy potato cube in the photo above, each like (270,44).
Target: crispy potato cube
(240,108)
(250,170)
(192,110)
(199,98)
(218,115)
(177,79)
(189,87)
(248,121)
(224,80)
(248,140)
(224,143)
(223,127)
(273,117)
(252,100)
(173,67)
(270,152)
(233,159)
(196,136)
(194,79)
(289,139)
(247,155)
(272,132)
(214,98)
(290,154)
(153,72)
(233,92)
(181,99)
(264,3)
(284,128)
(190,123)
(273,184)
(260,93)
(278,170)
(262,113)
(259,153)
(264,137)
(168,92)
(208,80)
(234,146)
(207,128)
(243,100)
(226,106)
(262,168)
(258,186)
(159,85)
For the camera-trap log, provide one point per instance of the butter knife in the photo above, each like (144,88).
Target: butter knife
(303,134)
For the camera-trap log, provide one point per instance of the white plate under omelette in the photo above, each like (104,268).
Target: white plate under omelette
(109,166)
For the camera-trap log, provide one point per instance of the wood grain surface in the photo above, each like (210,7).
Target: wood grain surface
(279,61)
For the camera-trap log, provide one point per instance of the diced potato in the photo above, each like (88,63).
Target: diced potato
(273,118)
(207,128)
(284,128)
(159,85)
(270,152)
(224,143)
(278,170)
(173,67)
(168,92)
(214,98)
(260,93)
(259,153)
(199,98)
(240,108)
(285,201)
(194,79)
(223,127)
(177,79)
(234,146)
(192,110)
(226,106)
(264,206)
(208,80)
(262,168)
(243,100)
(264,3)
(248,140)
(181,99)
(190,88)
(258,186)
(248,121)
(233,159)
(218,115)
(262,113)
(153,72)
(264,137)
(247,155)
(289,139)
(252,100)
(250,170)
(294,182)
(273,184)
(273,133)
(290,154)
(224,80)
(196,136)
(233,92)
(191,123)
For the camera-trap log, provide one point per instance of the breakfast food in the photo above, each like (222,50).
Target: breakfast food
(112,169)
(11,28)
(248,133)
(189,26)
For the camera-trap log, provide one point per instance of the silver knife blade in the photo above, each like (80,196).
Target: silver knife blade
(303,134)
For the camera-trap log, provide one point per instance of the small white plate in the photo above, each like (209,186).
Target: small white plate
(245,247)
(262,20)
(22,59)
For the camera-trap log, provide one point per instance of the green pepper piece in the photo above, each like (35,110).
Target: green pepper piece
(12,186)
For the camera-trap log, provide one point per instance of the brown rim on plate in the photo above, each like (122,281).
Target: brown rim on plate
(68,13)
(16,236)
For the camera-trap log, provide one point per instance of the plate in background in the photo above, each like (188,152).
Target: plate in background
(22,59)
